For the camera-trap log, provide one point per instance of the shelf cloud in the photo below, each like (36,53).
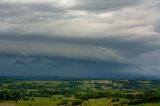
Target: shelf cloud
(121,33)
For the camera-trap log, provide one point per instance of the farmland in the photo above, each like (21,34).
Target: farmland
(23,92)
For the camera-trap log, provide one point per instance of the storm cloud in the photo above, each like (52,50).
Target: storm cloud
(95,5)
(109,33)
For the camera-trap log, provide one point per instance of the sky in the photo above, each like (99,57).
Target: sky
(80,38)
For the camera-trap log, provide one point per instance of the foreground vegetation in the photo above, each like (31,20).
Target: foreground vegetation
(20,92)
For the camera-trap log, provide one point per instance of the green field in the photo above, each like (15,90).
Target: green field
(15,92)
(54,102)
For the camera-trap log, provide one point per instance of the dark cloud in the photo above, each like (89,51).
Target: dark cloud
(80,37)
(131,47)
(68,67)
(157,26)
(17,13)
(19,62)
(96,5)
(60,67)
(8,7)
(54,62)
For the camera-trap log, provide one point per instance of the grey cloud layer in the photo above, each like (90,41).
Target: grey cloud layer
(60,50)
(62,17)
(95,5)
(119,31)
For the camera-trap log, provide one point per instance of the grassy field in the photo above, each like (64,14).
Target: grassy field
(35,101)
(79,92)
(54,101)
